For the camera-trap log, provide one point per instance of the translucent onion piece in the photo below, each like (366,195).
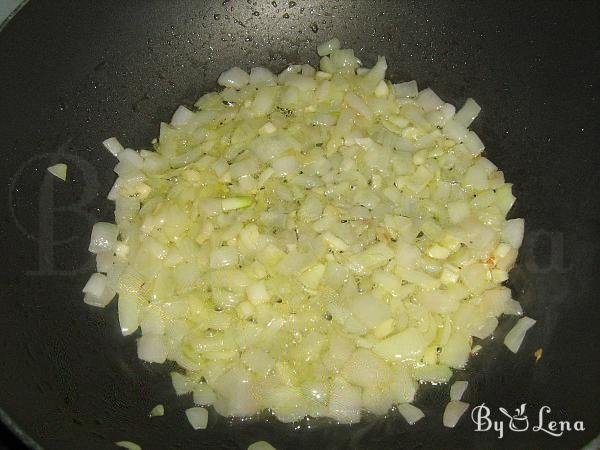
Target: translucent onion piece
(157,411)
(515,336)
(261,445)
(453,412)
(198,418)
(457,389)
(128,445)
(113,145)
(411,413)
(59,171)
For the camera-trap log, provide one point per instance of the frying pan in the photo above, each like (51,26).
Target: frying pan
(75,73)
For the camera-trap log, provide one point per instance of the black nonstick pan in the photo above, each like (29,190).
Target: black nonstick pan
(73,73)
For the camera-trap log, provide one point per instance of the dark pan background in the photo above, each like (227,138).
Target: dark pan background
(73,73)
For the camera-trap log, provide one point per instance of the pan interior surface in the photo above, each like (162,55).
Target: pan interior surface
(75,74)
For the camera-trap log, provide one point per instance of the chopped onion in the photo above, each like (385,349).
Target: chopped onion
(457,389)
(513,232)
(326,48)
(204,395)
(198,417)
(128,444)
(157,411)
(234,77)
(407,89)
(181,384)
(473,143)
(358,105)
(151,348)
(97,291)
(453,412)
(113,146)
(104,237)
(515,336)
(59,171)
(317,242)
(181,116)
(455,130)
(456,352)
(95,285)
(411,413)
(260,75)
(408,344)
(467,114)
(128,314)
(229,204)
(428,100)
(261,445)
(104,261)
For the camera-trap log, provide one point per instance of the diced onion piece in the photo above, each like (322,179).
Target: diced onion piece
(260,75)
(455,130)
(439,117)
(411,413)
(229,204)
(438,252)
(97,291)
(128,445)
(435,373)
(59,171)
(113,145)
(180,383)
(364,369)
(326,48)
(286,165)
(257,293)
(344,401)
(234,77)
(515,336)
(128,314)
(181,116)
(358,105)
(104,237)
(343,58)
(428,100)
(458,211)
(95,285)
(198,417)
(104,261)
(261,445)
(204,395)
(456,351)
(438,301)
(382,89)
(467,114)
(406,89)
(131,158)
(267,128)
(457,390)
(223,257)
(473,143)
(513,308)
(513,232)
(157,411)
(408,344)
(152,348)
(453,412)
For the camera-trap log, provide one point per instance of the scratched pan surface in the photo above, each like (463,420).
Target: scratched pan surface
(74,73)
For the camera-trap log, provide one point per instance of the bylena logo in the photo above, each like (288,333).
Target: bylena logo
(518,422)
